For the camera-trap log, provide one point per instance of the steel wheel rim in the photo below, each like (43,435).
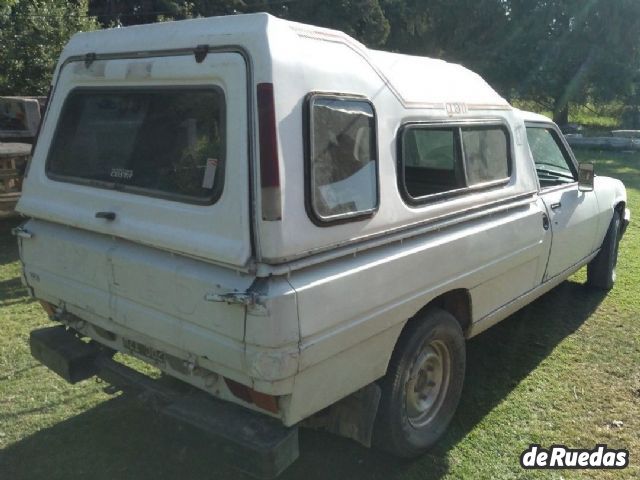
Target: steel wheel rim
(427,383)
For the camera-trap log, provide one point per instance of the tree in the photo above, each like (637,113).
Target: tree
(32,35)
(135,12)
(411,22)
(362,19)
(562,51)
(552,51)
(209,8)
(458,30)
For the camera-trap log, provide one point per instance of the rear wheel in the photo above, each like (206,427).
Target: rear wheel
(423,384)
(601,271)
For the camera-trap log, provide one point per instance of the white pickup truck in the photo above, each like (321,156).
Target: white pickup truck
(294,223)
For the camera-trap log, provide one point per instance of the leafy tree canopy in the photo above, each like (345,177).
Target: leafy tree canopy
(551,51)
(561,51)
(32,35)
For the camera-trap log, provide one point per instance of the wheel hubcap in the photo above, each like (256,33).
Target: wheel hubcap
(427,383)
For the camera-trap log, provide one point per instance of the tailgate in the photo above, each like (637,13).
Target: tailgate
(123,286)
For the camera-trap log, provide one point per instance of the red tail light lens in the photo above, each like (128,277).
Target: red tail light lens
(262,400)
(269,166)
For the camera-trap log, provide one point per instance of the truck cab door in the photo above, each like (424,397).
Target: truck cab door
(570,212)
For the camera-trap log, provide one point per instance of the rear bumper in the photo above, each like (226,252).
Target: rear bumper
(211,377)
(251,442)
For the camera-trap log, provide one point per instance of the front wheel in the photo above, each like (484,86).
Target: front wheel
(422,387)
(601,271)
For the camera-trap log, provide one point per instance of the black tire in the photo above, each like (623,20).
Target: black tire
(601,271)
(400,429)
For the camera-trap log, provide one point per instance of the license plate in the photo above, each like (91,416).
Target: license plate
(151,354)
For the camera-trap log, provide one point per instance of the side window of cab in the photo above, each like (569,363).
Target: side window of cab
(553,163)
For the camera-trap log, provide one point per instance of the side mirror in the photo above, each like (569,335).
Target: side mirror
(585,177)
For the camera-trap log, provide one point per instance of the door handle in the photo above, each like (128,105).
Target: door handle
(545,221)
(106,215)
(555,206)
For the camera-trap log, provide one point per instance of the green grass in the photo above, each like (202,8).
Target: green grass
(607,117)
(559,371)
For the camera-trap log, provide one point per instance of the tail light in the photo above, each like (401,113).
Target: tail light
(269,166)
(48,308)
(246,394)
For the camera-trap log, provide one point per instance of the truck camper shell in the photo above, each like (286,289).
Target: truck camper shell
(300,62)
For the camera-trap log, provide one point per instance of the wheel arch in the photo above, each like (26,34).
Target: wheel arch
(457,302)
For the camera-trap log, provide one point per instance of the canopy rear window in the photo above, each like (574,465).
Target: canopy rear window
(164,142)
